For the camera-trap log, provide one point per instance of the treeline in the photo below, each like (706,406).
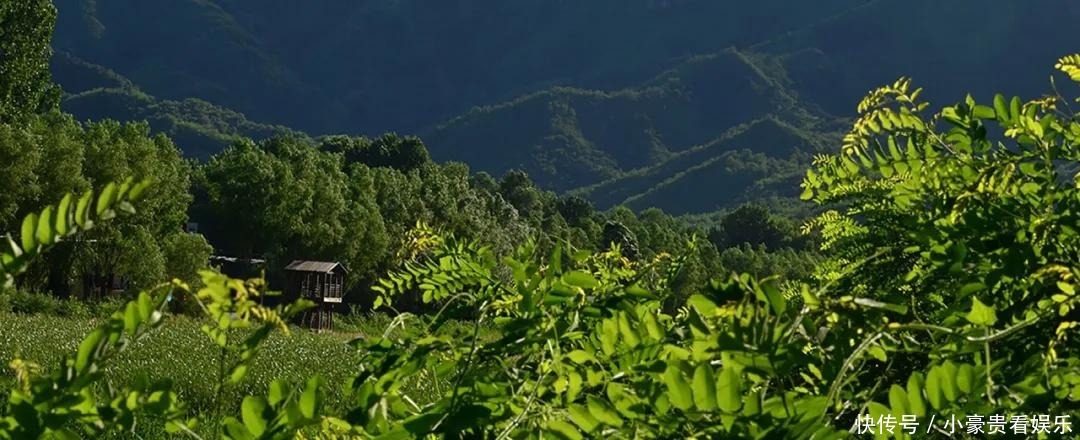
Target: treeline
(355,200)
(336,198)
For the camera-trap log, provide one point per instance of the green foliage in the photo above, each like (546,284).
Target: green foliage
(966,215)
(65,219)
(25,85)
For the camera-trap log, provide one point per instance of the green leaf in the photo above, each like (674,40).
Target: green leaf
(872,303)
(44,232)
(603,412)
(252,413)
(774,298)
(82,210)
(914,394)
(934,394)
(63,215)
(704,305)
(947,376)
(898,400)
(729,390)
(971,288)
(580,357)
(581,416)
(678,390)
(983,112)
(105,199)
(981,314)
(581,279)
(238,373)
(87,349)
(137,191)
(29,242)
(627,331)
(965,378)
(563,430)
(1001,109)
(278,391)
(309,399)
(704,386)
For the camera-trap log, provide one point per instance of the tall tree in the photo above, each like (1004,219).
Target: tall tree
(26,88)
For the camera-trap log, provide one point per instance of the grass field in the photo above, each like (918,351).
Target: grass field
(181,352)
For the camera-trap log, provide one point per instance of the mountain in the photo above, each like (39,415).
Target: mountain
(762,158)
(568,137)
(687,105)
(325,66)
(201,128)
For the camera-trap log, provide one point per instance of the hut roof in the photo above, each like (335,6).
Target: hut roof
(314,266)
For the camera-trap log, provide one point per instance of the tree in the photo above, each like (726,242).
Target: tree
(617,234)
(389,150)
(26,87)
(753,224)
(575,209)
(518,189)
(185,255)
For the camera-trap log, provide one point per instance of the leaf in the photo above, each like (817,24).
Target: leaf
(774,298)
(1001,109)
(704,386)
(915,396)
(137,191)
(603,412)
(238,373)
(563,430)
(82,210)
(981,314)
(63,215)
(965,378)
(573,385)
(29,242)
(877,352)
(867,302)
(278,391)
(678,390)
(309,399)
(85,356)
(44,232)
(105,199)
(704,305)
(581,279)
(581,416)
(729,390)
(947,376)
(934,394)
(627,331)
(971,288)
(580,357)
(252,413)
(983,112)
(898,400)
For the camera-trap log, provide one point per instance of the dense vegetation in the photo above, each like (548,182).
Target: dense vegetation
(936,277)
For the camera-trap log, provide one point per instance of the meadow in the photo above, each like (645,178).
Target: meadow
(45,330)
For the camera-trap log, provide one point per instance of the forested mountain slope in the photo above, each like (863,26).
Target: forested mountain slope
(94,92)
(375,65)
(567,137)
(625,102)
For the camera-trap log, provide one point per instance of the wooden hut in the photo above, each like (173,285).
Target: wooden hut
(319,281)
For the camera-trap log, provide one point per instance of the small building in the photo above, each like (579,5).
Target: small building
(318,281)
